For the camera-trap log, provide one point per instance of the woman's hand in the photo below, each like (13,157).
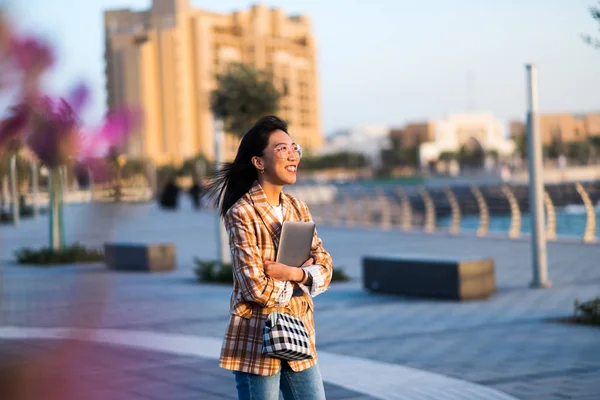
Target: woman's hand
(283,272)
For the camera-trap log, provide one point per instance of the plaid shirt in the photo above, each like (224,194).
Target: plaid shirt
(254,232)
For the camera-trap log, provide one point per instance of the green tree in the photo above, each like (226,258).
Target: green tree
(556,148)
(448,156)
(592,41)
(243,95)
(580,152)
(521,145)
(190,165)
(134,167)
(347,160)
(594,143)
(471,154)
(400,155)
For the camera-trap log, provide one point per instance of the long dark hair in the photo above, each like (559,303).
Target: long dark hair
(233,180)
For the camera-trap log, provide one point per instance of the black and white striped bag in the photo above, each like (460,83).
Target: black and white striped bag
(285,337)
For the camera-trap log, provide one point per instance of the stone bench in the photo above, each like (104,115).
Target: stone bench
(426,276)
(140,256)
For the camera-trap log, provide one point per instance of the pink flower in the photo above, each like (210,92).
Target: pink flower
(79,97)
(31,55)
(54,136)
(112,133)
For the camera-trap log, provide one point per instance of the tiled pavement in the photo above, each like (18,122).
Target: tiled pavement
(506,342)
(104,372)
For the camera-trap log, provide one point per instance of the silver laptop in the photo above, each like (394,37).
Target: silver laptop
(295,243)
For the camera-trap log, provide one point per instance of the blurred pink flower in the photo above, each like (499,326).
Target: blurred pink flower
(112,133)
(31,55)
(13,128)
(54,135)
(79,97)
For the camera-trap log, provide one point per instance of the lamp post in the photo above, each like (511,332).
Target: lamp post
(536,184)
(35,189)
(222,239)
(14,192)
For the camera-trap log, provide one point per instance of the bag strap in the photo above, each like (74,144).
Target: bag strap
(279,307)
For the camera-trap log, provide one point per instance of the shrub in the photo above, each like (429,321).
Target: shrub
(588,312)
(339,275)
(213,271)
(74,253)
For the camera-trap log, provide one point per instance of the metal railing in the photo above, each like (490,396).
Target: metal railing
(422,208)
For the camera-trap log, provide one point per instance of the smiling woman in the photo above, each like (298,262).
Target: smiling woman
(249,195)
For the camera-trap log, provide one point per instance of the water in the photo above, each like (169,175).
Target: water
(570,222)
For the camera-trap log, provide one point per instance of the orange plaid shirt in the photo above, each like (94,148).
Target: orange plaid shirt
(254,232)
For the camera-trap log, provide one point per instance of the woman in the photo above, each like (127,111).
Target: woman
(254,207)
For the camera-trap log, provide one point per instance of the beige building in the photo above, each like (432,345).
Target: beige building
(165,60)
(413,134)
(564,127)
(568,128)
(475,130)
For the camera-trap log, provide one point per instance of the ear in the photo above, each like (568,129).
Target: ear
(258,163)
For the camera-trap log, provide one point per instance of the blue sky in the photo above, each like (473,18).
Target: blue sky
(383,62)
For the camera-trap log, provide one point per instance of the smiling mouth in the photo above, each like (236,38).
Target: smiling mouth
(291,168)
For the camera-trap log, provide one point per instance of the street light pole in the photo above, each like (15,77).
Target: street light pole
(222,238)
(14,189)
(35,189)
(536,184)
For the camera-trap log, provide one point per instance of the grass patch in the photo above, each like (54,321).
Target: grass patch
(75,253)
(588,312)
(212,271)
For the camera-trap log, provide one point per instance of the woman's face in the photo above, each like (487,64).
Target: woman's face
(280,159)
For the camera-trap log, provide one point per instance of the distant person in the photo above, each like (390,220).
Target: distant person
(254,207)
(169,199)
(196,191)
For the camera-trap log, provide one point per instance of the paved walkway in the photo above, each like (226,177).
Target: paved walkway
(125,372)
(507,344)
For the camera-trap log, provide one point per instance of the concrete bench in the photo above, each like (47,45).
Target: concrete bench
(426,276)
(140,256)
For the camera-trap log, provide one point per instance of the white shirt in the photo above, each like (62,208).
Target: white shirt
(278,212)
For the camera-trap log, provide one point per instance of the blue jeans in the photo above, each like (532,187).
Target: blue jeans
(303,385)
